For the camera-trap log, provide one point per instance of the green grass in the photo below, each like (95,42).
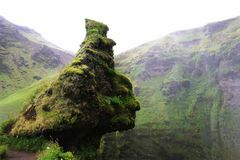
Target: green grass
(3,151)
(18,62)
(46,149)
(34,144)
(53,151)
(11,105)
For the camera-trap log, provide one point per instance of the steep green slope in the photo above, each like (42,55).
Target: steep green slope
(188,83)
(25,57)
(11,105)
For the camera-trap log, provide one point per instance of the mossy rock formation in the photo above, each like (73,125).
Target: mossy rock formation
(87,100)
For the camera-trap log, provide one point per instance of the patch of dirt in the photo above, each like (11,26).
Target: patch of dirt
(20,155)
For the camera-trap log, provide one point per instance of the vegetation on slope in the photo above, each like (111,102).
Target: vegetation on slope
(87,100)
(3,151)
(11,105)
(188,86)
(25,57)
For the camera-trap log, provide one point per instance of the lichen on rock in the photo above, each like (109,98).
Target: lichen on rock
(88,99)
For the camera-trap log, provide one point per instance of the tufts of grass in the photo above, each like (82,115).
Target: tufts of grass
(14,103)
(53,151)
(33,144)
(3,151)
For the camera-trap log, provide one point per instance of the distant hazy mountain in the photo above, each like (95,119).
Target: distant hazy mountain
(26,57)
(188,83)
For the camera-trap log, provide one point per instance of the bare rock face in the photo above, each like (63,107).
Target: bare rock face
(87,100)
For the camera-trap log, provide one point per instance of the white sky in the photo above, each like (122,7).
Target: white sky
(131,22)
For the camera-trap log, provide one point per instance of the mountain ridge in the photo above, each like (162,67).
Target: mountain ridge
(188,86)
(26,57)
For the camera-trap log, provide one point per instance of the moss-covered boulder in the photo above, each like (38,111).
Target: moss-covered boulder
(88,99)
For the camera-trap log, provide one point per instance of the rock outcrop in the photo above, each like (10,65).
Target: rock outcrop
(88,99)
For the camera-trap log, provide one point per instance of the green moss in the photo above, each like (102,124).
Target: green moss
(71,70)
(95,27)
(121,119)
(116,101)
(77,60)
(96,41)
(121,79)
(87,100)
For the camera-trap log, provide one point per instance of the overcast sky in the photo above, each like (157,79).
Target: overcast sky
(131,22)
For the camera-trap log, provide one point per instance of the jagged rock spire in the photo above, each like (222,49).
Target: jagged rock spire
(87,100)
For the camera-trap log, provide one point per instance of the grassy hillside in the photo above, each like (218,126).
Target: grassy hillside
(25,57)
(11,105)
(188,83)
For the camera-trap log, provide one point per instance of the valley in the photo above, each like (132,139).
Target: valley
(188,86)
